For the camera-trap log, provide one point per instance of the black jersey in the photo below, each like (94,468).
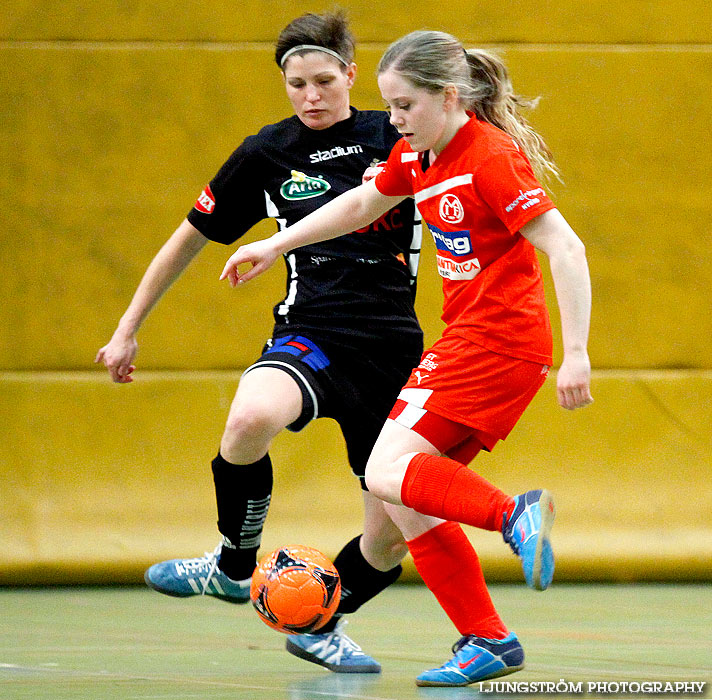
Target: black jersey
(350,290)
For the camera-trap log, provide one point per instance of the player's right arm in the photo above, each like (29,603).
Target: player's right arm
(350,211)
(168,264)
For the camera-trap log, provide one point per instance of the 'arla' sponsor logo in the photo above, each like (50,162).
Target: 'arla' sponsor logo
(301,186)
(206,201)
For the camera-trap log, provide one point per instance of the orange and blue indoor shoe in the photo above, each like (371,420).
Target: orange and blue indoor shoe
(527,532)
(476,659)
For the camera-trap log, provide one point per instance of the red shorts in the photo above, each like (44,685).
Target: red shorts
(462,397)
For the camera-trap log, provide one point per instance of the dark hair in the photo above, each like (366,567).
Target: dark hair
(432,60)
(329,30)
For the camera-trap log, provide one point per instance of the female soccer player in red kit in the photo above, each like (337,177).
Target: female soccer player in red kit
(469,160)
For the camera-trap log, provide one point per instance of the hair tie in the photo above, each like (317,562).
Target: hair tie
(311,47)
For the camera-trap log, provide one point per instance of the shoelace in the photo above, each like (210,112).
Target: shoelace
(212,559)
(462,642)
(482,641)
(344,643)
(508,534)
(208,561)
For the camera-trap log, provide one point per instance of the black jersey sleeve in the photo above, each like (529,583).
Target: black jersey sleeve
(234,201)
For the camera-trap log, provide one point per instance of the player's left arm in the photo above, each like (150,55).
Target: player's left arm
(550,233)
(350,211)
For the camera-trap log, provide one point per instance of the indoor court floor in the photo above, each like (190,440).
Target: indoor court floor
(134,644)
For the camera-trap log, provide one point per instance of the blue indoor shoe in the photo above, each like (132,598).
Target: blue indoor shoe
(333,650)
(476,659)
(527,532)
(201,576)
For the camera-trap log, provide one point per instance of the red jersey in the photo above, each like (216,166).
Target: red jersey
(475,198)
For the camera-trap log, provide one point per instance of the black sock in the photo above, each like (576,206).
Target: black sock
(243,493)
(359,581)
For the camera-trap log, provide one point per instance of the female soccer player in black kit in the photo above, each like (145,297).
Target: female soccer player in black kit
(345,335)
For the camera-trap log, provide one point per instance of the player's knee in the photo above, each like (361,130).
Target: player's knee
(373,481)
(384,477)
(252,420)
(379,481)
(248,430)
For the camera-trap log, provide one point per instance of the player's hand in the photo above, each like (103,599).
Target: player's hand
(573,382)
(372,171)
(118,355)
(260,254)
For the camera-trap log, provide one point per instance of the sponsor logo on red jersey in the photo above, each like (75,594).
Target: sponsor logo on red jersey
(206,201)
(454,254)
(526,199)
(451,209)
(451,270)
(455,242)
(428,362)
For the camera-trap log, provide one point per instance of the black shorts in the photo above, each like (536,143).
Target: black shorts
(355,388)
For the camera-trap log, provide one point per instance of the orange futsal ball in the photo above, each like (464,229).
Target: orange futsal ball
(295,589)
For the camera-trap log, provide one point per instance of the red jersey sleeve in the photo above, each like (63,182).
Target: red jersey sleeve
(506,182)
(395,179)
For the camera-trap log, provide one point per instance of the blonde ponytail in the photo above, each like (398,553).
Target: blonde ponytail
(493,100)
(433,60)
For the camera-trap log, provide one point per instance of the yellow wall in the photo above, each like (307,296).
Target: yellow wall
(109,147)
(114,116)
(546,22)
(99,481)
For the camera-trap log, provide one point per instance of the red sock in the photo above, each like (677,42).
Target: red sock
(449,565)
(444,488)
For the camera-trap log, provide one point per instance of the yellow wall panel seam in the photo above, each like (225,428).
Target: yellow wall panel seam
(122,44)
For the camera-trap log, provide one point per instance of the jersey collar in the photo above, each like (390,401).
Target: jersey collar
(344,125)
